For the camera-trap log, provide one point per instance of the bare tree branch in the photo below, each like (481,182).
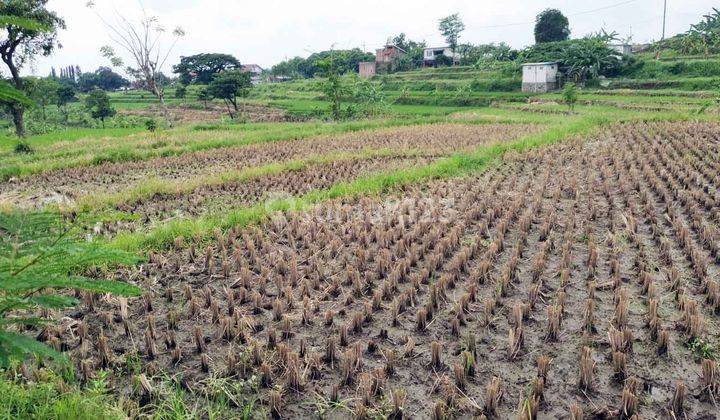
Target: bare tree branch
(144,47)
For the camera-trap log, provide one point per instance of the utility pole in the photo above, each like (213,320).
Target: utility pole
(664,19)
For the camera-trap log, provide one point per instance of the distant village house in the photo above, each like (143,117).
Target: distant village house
(389,54)
(255,71)
(430,56)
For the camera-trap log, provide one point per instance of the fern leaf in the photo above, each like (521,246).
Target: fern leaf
(10,94)
(19,346)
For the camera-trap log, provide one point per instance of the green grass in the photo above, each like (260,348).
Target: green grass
(51,397)
(71,134)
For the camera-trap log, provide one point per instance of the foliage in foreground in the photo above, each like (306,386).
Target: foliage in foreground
(49,397)
(39,256)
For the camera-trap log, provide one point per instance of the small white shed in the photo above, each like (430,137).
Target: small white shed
(624,49)
(540,77)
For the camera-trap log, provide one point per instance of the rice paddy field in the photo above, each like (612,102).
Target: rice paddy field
(500,256)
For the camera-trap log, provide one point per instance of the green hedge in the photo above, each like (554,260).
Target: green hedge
(653,69)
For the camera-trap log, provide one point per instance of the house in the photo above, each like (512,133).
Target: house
(389,54)
(430,55)
(367,69)
(540,77)
(624,49)
(255,71)
(251,68)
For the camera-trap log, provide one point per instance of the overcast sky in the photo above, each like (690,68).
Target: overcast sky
(267,31)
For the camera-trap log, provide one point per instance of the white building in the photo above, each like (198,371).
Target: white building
(430,54)
(540,77)
(624,49)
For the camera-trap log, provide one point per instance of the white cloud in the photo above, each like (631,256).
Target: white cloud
(267,31)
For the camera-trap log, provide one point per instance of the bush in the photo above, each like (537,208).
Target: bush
(23,148)
(653,69)
(570,95)
(151,125)
(443,61)
(496,85)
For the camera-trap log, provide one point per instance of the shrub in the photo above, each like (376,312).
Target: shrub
(151,125)
(23,148)
(570,95)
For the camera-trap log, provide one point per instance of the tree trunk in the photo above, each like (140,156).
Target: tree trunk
(18,114)
(17,109)
(227,105)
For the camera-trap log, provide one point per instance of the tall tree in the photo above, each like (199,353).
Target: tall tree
(229,86)
(451,27)
(550,26)
(333,88)
(64,95)
(103,78)
(201,68)
(145,44)
(98,103)
(413,52)
(43,91)
(29,29)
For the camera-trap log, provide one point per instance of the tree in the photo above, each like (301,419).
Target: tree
(550,26)
(229,86)
(70,74)
(107,79)
(707,32)
(451,27)
(180,92)
(204,96)
(333,87)
(590,58)
(201,68)
(414,51)
(43,91)
(486,54)
(103,78)
(570,95)
(288,68)
(64,95)
(145,45)
(346,61)
(98,104)
(29,29)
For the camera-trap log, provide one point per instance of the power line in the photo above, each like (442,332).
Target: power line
(571,14)
(664,18)
(603,8)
